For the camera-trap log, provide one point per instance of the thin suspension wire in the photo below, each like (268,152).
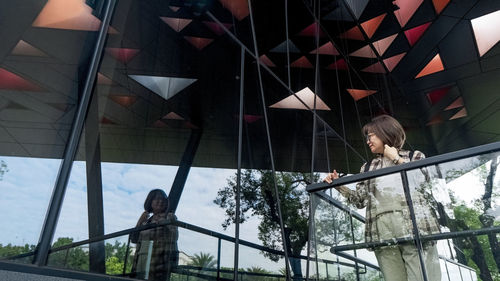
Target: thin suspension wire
(287,47)
(268,134)
(342,117)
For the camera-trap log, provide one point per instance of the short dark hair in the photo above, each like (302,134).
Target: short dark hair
(387,129)
(151,196)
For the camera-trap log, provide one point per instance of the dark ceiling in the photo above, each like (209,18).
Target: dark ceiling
(455,107)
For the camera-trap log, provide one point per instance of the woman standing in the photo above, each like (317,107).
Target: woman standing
(387,213)
(156,252)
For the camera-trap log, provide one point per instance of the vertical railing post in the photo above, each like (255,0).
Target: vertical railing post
(219,242)
(125,259)
(416,233)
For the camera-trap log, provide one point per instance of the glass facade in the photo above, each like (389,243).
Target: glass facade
(184,140)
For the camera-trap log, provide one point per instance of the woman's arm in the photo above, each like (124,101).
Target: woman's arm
(357,197)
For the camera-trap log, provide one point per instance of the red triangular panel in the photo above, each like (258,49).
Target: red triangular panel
(122,54)
(415,33)
(125,101)
(456,104)
(392,62)
(339,64)
(326,49)
(159,124)
(460,114)
(439,5)
(172,116)
(216,28)
(436,95)
(251,118)
(311,31)
(358,94)
(11,81)
(435,65)
(370,26)
(176,24)
(198,42)
(375,68)
(105,120)
(302,62)
(353,33)
(239,8)
(266,61)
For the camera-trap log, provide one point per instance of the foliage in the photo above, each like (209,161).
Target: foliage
(203,260)
(3,169)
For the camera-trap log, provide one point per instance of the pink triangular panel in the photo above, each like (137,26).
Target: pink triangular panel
(103,80)
(176,24)
(460,114)
(375,68)
(406,10)
(435,120)
(216,28)
(302,62)
(486,31)
(436,95)
(61,106)
(326,49)
(265,60)
(439,5)
(353,33)
(239,8)
(391,62)
(24,49)
(358,94)
(198,42)
(415,33)
(122,54)
(311,31)
(190,125)
(370,26)
(365,52)
(456,104)
(159,124)
(435,65)
(67,14)
(125,101)
(174,8)
(11,81)
(339,64)
(112,30)
(382,45)
(172,116)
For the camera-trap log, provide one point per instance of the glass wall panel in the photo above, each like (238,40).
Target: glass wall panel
(46,49)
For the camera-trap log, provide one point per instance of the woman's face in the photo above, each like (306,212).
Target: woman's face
(158,205)
(376,145)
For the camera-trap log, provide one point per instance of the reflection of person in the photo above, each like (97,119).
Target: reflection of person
(156,252)
(387,213)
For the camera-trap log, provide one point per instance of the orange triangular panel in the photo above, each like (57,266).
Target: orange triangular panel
(435,120)
(67,14)
(439,5)
(122,54)
(383,44)
(456,104)
(24,49)
(391,62)
(124,101)
(460,114)
(172,116)
(375,68)
(103,80)
(365,52)
(198,42)
(339,64)
(370,26)
(435,65)
(358,94)
(326,49)
(176,24)
(302,62)
(406,10)
(353,33)
(266,61)
(415,33)
(239,8)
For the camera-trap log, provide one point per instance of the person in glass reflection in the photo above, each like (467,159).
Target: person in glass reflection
(156,252)
(387,213)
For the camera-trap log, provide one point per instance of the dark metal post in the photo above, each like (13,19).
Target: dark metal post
(418,242)
(182,172)
(218,258)
(238,175)
(447,272)
(354,242)
(125,260)
(56,200)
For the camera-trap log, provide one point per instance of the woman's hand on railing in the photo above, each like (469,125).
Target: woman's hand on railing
(331,176)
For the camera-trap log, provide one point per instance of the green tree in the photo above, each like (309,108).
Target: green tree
(203,260)
(258,199)
(73,258)
(3,169)
(115,258)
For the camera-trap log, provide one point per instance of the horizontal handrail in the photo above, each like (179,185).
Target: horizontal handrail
(340,205)
(434,160)
(456,263)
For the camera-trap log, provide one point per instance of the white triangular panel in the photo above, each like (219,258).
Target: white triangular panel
(307,96)
(165,87)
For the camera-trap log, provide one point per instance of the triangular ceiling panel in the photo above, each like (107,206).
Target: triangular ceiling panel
(159,124)
(281,48)
(436,95)
(174,8)
(456,104)
(123,55)
(103,80)
(486,31)
(375,68)
(239,8)
(460,114)
(407,9)
(439,5)
(302,62)
(358,94)
(353,33)
(199,42)
(435,120)
(173,116)
(266,61)
(67,14)
(176,24)
(365,52)
(165,87)
(357,6)
(11,81)
(305,95)
(311,31)
(339,64)
(125,101)
(339,14)
(413,34)
(393,61)
(326,49)
(251,118)
(105,120)
(435,65)
(383,44)
(370,26)
(24,49)
(216,28)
